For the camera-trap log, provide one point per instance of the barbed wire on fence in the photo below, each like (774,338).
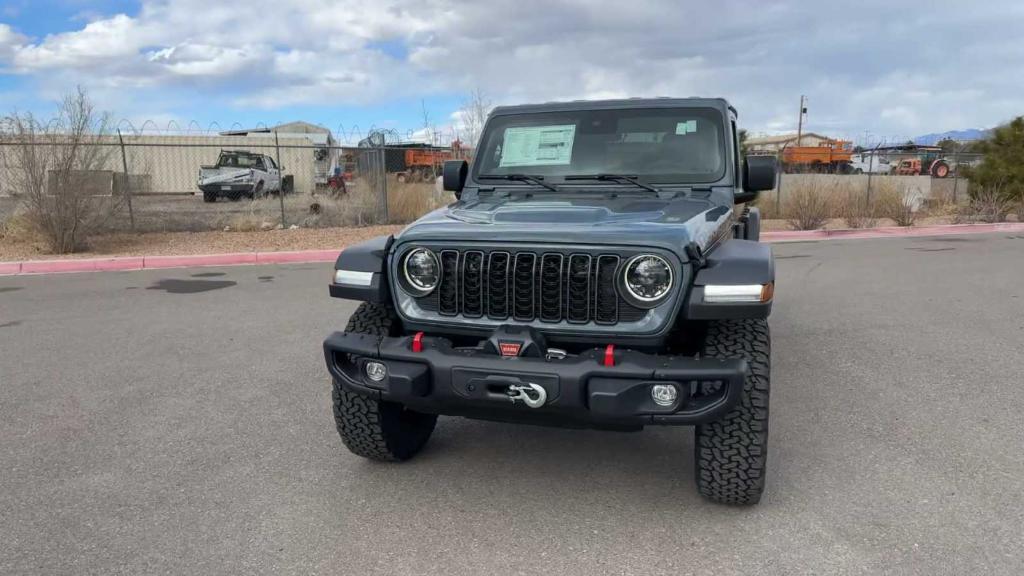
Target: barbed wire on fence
(342,134)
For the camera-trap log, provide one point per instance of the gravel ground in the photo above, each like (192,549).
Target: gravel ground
(178,225)
(179,422)
(840,224)
(179,243)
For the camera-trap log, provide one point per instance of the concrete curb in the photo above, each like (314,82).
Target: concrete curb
(311,256)
(891,231)
(164,262)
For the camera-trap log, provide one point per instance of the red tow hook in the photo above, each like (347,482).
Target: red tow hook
(609,355)
(417,342)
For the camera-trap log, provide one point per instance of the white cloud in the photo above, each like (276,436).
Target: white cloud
(207,60)
(96,43)
(9,41)
(862,68)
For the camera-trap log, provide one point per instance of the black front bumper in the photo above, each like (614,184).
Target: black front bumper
(581,390)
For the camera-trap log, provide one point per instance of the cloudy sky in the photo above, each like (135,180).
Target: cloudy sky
(870,69)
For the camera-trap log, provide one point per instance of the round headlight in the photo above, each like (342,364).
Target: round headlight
(648,278)
(421,270)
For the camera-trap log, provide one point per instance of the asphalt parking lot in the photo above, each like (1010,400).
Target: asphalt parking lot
(178,422)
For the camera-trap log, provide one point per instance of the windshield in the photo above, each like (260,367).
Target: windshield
(655,144)
(237,161)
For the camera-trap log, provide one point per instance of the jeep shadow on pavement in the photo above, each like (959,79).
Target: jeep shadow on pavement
(598,269)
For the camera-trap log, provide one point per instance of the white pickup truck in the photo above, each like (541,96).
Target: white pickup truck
(869,163)
(239,173)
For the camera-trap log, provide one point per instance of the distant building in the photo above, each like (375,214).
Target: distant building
(317,135)
(170,163)
(774,144)
(325,156)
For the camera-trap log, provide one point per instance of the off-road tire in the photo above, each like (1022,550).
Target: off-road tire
(209,197)
(731,453)
(256,192)
(373,428)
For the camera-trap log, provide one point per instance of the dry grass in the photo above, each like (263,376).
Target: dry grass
(811,205)
(897,203)
(362,204)
(408,201)
(177,243)
(991,205)
(770,209)
(897,207)
(252,220)
(19,228)
(943,210)
(808,207)
(856,210)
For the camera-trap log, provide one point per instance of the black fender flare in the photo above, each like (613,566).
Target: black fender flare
(734,262)
(368,261)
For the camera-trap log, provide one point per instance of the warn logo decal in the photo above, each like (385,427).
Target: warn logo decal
(509,348)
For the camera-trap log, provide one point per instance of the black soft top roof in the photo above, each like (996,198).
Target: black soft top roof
(719,103)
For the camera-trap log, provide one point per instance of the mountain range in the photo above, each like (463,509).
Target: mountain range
(959,135)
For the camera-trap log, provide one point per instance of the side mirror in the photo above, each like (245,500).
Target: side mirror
(453,176)
(758,176)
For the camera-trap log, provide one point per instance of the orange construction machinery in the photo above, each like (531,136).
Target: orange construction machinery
(934,167)
(425,163)
(831,156)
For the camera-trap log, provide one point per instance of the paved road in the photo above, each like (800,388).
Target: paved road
(178,422)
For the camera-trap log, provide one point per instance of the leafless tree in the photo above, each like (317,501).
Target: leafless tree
(47,165)
(429,129)
(473,114)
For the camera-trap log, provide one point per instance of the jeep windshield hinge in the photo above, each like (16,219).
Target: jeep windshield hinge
(693,250)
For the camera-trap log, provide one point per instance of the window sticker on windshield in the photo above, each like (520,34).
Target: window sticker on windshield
(688,127)
(538,145)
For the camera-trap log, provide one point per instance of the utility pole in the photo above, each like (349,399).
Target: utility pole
(800,122)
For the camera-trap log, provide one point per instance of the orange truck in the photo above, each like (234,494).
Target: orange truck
(425,163)
(832,156)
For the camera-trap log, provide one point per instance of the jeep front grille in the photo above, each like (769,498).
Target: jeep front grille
(525,286)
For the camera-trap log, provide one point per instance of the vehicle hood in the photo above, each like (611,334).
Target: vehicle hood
(630,220)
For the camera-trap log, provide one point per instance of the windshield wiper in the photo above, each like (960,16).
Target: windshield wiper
(536,180)
(630,178)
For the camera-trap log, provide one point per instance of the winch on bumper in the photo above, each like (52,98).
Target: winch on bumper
(599,387)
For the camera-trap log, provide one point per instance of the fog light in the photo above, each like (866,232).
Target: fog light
(376,371)
(664,394)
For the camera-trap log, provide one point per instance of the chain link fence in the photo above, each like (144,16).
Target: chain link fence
(174,183)
(887,184)
(164,183)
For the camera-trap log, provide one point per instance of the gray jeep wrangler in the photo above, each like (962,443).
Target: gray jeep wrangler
(598,269)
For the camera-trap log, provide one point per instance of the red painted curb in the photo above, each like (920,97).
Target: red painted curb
(299,256)
(162,262)
(199,260)
(891,231)
(242,258)
(115,264)
(52,266)
(10,268)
